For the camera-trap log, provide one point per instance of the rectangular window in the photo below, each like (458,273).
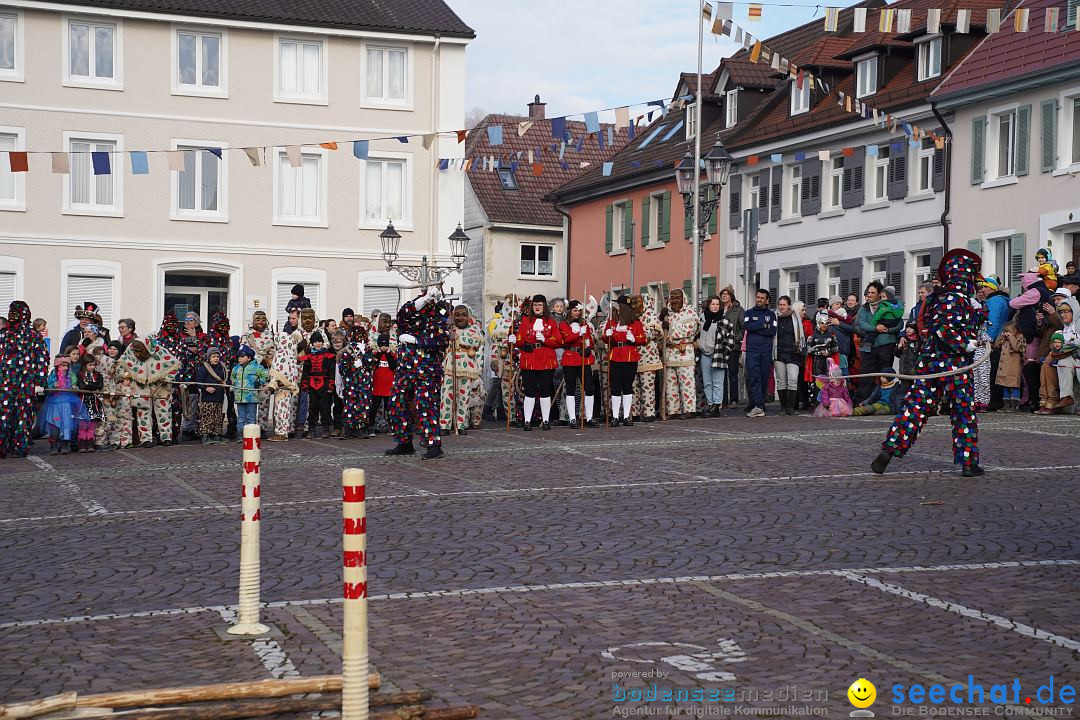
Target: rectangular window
(301,191)
(929,58)
(199,62)
(879,270)
(1005,124)
(925,170)
(384,191)
(866,72)
(794,190)
(87,191)
(656,211)
(200,184)
(10,47)
(800,99)
(618,229)
(836,182)
(923,271)
(879,178)
(731,109)
(755,191)
(793,285)
(11,184)
(1075,130)
(300,70)
(92,52)
(834,280)
(691,121)
(537,260)
(507,179)
(387,78)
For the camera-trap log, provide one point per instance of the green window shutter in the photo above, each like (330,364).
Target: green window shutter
(687,286)
(1049,135)
(716,211)
(609,213)
(645,205)
(1023,138)
(628,224)
(664,221)
(710,287)
(1072,9)
(688,224)
(978,143)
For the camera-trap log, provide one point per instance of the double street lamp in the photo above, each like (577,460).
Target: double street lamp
(424,274)
(688,180)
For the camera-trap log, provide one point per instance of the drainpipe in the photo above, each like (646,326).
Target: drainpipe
(948,179)
(569,226)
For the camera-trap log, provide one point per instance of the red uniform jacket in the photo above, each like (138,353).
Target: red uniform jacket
(542,355)
(318,370)
(621,349)
(384,374)
(572,343)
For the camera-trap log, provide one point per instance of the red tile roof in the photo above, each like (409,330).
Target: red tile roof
(525,205)
(825,54)
(1008,55)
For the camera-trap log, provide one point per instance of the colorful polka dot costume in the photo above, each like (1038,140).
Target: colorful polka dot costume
(356,365)
(414,403)
(25,362)
(951,322)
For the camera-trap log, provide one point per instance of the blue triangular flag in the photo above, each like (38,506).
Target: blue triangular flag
(658,103)
(360,149)
(564,165)
(777,158)
(139,164)
(630,131)
(871,150)
(658,163)
(897,147)
(592,122)
(600,140)
(610,134)
(101,163)
(906,128)
(214,151)
(580,143)
(800,156)
(558,128)
(495,134)
(607,168)
(635,163)
(444,163)
(403,139)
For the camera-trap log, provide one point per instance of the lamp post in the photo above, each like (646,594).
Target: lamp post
(688,180)
(424,274)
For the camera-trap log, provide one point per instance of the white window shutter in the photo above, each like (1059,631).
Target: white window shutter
(380,297)
(82,289)
(284,295)
(7,289)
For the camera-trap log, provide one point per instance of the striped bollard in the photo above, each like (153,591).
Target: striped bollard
(247,622)
(354,654)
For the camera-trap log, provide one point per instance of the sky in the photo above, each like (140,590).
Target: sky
(594,54)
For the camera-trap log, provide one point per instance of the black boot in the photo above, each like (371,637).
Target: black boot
(881,462)
(432,452)
(972,471)
(574,424)
(526,426)
(793,402)
(402,449)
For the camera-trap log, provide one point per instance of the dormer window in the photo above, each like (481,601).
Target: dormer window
(800,99)
(507,179)
(929,50)
(731,108)
(866,76)
(691,121)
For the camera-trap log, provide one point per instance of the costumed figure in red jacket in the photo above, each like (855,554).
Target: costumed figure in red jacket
(537,338)
(624,334)
(578,348)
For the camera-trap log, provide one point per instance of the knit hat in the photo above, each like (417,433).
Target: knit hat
(116,344)
(297,290)
(1057,336)
(316,337)
(247,350)
(623,300)
(347,312)
(212,350)
(890,292)
(539,298)
(836,299)
(1045,253)
(990,281)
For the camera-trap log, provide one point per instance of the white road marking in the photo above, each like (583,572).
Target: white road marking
(1003,622)
(92,506)
(584,585)
(270,652)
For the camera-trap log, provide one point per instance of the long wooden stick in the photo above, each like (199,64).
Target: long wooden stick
(510,396)
(280,706)
(33,708)
(220,691)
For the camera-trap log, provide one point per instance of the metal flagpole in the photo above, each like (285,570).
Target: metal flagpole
(695,278)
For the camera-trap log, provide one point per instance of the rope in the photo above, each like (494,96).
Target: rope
(901,376)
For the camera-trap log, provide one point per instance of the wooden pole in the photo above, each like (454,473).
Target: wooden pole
(247,622)
(354,654)
(33,708)
(510,396)
(288,705)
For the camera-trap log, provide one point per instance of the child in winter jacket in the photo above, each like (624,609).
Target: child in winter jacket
(213,381)
(834,400)
(317,380)
(247,377)
(1012,345)
(883,401)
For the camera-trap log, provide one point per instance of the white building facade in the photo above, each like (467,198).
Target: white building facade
(207,228)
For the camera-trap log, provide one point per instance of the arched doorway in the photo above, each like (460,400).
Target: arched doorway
(203,287)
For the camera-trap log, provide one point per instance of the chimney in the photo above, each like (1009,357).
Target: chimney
(536,109)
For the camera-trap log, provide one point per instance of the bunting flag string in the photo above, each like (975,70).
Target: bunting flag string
(903,20)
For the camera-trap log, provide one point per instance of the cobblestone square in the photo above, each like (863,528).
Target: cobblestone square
(556,574)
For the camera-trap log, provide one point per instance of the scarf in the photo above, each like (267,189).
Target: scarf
(712,317)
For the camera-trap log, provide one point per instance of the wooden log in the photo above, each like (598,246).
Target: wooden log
(220,691)
(33,708)
(233,709)
(465,712)
(411,697)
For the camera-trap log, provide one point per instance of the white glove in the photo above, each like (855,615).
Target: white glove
(629,336)
(975,304)
(582,330)
(539,337)
(433,293)
(608,332)
(512,339)
(421,301)
(576,328)
(407,339)
(538,325)
(38,390)
(971,346)
(620,328)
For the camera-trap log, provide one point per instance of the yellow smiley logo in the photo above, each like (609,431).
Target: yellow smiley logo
(862,693)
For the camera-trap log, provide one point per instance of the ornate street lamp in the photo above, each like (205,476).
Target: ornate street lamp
(687,173)
(424,274)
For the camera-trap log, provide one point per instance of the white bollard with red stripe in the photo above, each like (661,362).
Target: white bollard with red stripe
(247,622)
(354,654)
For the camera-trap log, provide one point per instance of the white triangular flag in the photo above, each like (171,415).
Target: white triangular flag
(622,118)
(293,152)
(824,156)
(860,20)
(903,21)
(523,127)
(933,21)
(993,20)
(428,139)
(176,160)
(254,155)
(963,21)
(61,163)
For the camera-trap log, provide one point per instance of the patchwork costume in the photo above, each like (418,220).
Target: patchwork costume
(423,337)
(461,374)
(503,354)
(650,362)
(169,337)
(285,383)
(24,359)
(153,391)
(263,343)
(679,362)
(951,331)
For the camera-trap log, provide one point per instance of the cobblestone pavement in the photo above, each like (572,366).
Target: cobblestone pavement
(532,574)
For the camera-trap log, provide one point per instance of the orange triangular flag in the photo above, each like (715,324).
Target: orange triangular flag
(329,145)
(461,135)
(538,169)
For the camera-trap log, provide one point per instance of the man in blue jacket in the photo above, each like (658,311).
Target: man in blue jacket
(760,326)
(996,301)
